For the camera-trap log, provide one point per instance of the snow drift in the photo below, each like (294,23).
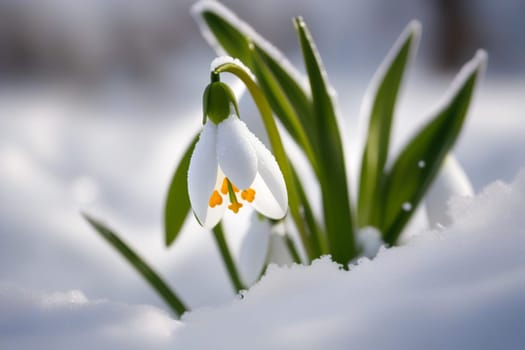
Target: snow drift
(462,287)
(459,288)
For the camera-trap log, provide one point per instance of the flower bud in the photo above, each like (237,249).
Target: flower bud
(218,101)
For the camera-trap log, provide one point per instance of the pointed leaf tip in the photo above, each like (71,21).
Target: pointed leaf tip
(407,182)
(134,260)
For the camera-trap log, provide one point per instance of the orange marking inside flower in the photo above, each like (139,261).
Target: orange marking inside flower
(235,207)
(215,199)
(224,187)
(248,195)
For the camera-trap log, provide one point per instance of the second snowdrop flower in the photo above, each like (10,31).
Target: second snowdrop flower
(230,166)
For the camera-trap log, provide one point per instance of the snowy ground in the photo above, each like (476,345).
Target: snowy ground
(459,288)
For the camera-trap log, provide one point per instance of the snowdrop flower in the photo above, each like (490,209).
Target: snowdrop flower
(230,167)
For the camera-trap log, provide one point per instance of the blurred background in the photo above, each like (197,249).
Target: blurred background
(98,99)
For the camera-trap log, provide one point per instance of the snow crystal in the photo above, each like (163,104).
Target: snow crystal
(421,164)
(407,206)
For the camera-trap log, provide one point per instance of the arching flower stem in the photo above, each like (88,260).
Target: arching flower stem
(277,148)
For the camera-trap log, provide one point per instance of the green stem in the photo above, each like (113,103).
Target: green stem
(277,146)
(218,233)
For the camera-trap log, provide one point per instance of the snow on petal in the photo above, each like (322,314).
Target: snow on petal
(202,172)
(235,153)
(271,178)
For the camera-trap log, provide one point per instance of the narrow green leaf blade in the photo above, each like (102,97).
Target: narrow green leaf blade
(382,98)
(177,201)
(418,163)
(276,98)
(227,258)
(154,280)
(291,87)
(333,179)
(282,107)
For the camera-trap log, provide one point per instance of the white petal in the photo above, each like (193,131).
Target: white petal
(450,181)
(214,215)
(202,172)
(254,246)
(271,198)
(235,153)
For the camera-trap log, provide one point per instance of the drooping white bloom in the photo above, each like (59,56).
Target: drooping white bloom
(230,167)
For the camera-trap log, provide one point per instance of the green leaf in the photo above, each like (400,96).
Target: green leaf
(282,107)
(232,40)
(418,163)
(155,281)
(222,27)
(291,88)
(177,202)
(331,160)
(389,77)
(231,268)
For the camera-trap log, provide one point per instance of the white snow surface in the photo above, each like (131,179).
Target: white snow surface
(459,288)
(69,320)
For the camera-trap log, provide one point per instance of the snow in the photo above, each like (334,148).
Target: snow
(69,320)
(461,287)
(369,240)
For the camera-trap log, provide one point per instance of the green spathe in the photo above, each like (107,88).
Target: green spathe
(218,101)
